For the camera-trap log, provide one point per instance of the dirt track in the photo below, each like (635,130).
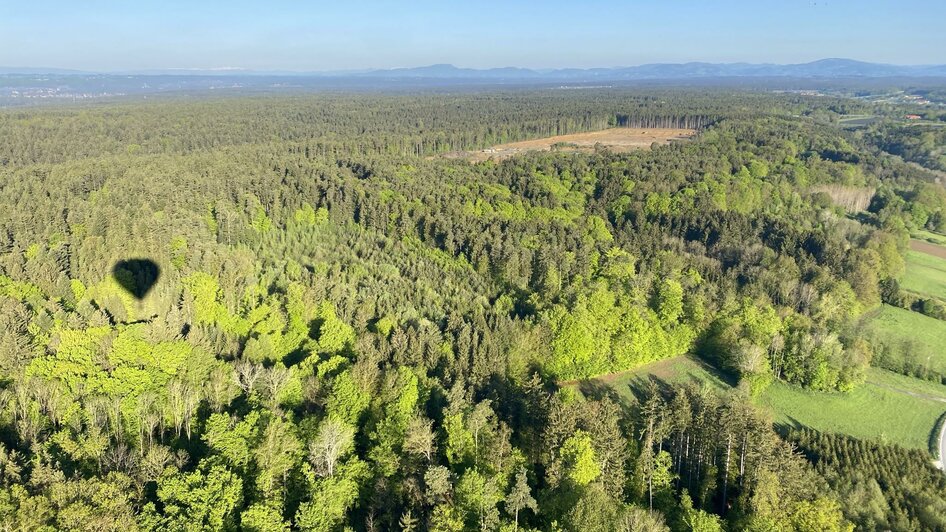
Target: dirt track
(618,139)
(929,249)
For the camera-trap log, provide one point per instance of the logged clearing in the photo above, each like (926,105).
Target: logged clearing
(619,139)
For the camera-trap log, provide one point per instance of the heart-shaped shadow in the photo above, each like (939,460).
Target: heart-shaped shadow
(137,276)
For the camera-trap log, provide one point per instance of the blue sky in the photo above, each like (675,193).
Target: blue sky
(314,35)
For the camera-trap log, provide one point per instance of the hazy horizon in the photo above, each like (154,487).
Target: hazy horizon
(229,69)
(286,36)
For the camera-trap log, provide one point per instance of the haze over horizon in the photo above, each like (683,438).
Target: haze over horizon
(105,36)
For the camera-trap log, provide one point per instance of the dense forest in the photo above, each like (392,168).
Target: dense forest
(350,332)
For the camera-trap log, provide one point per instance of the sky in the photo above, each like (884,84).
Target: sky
(301,35)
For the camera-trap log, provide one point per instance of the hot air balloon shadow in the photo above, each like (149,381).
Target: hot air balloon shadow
(137,276)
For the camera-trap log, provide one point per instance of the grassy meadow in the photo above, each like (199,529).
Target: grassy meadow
(907,339)
(925,275)
(888,407)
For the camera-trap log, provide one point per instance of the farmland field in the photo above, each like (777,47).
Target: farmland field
(615,139)
(905,339)
(925,274)
(888,407)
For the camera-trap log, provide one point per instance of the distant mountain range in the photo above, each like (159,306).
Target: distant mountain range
(825,68)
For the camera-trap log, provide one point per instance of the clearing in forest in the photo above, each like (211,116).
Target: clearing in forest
(618,139)
(888,407)
(926,271)
(906,339)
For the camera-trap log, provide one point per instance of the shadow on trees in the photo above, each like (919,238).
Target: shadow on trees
(136,276)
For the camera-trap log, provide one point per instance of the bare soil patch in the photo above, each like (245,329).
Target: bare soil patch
(620,139)
(929,249)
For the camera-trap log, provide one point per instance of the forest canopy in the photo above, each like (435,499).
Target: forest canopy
(348,331)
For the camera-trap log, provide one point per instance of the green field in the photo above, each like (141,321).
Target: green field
(901,336)
(676,370)
(856,120)
(880,409)
(925,275)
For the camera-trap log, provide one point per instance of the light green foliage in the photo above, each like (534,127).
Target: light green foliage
(697,520)
(598,229)
(820,361)
(178,252)
(348,400)
(262,518)
(32,251)
(446,518)
(260,349)
(758,169)
(618,265)
(600,334)
(136,366)
(233,440)
(333,334)
(396,367)
(460,445)
(331,499)
(278,452)
(18,290)
(104,503)
(669,301)
(578,457)
(641,339)
(389,435)
(261,222)
(478,496)
(820,515)
(78,289)
(574,351)
(277,325)
(661,475)
(208,307)
(290,394)
(88,448)
(385,325)
(837,306)
(741,341)
(201,500)
(657,204)
(307,216)
(594,511)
